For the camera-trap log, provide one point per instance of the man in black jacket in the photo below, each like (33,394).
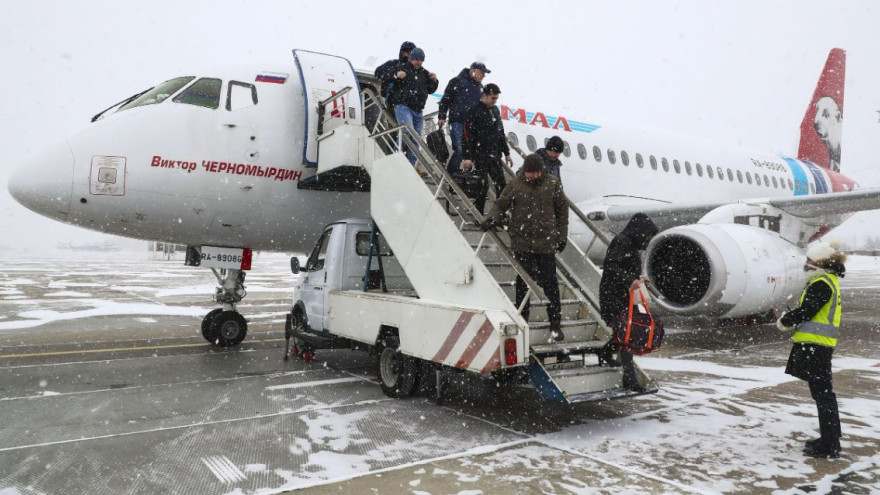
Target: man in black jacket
(621,272)
(484,142)
(412,85)
(550,153)
(390,66)
(461,94)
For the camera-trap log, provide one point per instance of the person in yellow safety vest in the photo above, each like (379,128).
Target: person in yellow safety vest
(816,322)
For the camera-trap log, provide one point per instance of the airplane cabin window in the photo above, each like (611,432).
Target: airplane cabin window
(159,93)
(676,166)
(639,161)
(790,184)
(687,168)
(530,143)
(597,154)
(766,181)
(612,158)
(699,170)
(512,138)
(720,173)
(566,150)
(653,162)
(730,175)
(665,164)
(748,177)
(710,171)
(739,176)
(582,151)
(240,95)
(624,158)
(775,184)
(203,93)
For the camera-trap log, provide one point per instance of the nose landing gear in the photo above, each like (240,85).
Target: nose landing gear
(226,327)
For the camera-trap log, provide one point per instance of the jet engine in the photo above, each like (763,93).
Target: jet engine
(723,270)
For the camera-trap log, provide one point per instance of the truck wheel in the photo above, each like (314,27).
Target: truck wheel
(398,374)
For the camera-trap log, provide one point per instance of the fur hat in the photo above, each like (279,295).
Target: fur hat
(417,54)
(822,250)
(556,144)
(533,163)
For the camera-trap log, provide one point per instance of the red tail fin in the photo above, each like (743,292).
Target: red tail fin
(822,126)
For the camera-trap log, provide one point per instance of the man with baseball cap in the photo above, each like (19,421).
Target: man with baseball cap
(462,93)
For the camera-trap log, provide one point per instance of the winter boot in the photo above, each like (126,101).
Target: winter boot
(556,331)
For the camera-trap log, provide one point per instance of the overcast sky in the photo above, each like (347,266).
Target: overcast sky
(740,72)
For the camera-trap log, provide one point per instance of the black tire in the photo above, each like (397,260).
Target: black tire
(229,327)
(398,374)
(207,328)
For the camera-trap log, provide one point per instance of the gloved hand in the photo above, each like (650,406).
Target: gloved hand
(488,225)
(560,246)
(780,326)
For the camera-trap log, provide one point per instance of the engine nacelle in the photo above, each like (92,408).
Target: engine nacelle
(723,270)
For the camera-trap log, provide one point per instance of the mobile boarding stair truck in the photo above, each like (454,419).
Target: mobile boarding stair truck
(419,284)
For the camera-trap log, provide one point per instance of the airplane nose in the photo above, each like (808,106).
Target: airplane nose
(44,183)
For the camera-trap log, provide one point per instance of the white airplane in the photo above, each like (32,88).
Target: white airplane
(226,161)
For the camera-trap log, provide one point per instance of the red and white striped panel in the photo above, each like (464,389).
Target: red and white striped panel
(472,344)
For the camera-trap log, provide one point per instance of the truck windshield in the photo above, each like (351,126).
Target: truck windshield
(159,93)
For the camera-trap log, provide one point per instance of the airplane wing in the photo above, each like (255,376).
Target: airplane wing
(800,206)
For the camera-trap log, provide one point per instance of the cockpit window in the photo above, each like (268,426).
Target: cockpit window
(159,93)
(240,95)
(203,93)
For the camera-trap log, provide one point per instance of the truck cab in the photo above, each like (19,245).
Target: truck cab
(338,262)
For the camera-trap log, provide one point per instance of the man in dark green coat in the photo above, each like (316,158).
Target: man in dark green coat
(538,228)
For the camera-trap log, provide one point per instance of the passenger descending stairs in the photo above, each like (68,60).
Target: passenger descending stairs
(568,371)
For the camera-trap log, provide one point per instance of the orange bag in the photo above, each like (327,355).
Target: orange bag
(638,333)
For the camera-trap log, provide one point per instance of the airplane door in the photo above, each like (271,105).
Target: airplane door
(315,285)
(323,76)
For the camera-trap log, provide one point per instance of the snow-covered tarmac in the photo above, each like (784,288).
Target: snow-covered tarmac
(108,388)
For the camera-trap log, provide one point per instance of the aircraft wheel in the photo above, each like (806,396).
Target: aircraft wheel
(207,328)
(229,327)
(398,374)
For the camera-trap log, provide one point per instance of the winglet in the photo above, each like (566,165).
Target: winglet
(822,126)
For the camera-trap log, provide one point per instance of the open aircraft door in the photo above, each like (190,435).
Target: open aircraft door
(334,111)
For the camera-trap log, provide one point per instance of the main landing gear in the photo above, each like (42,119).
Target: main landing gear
(225,327)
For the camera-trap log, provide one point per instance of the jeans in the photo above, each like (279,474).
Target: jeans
(406,115)
(456,133)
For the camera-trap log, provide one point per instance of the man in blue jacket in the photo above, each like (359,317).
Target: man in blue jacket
(412,85)
(461,94)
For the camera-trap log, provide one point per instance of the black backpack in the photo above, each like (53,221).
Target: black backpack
(437,145)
